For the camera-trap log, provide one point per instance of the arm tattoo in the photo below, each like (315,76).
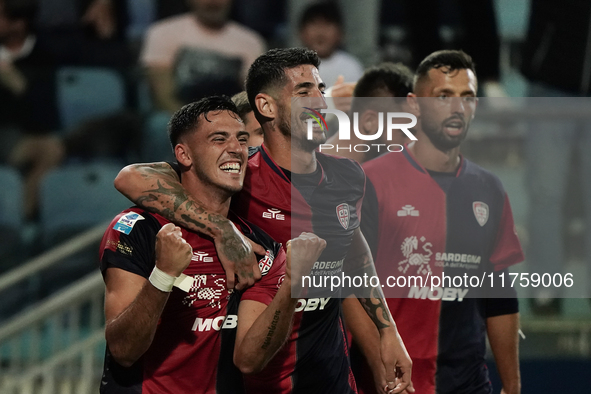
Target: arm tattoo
(376,309)
(176,192)
(272,328)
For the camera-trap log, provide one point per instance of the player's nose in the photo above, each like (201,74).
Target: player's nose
(457,105)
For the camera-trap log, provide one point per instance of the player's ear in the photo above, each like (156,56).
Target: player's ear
(369,122)
(266,105)
(183,155)
(413,102)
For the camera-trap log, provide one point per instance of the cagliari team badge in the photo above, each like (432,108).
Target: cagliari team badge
(480,212)
(343,214)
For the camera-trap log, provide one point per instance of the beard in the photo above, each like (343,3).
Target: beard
(441,140)
(298,134)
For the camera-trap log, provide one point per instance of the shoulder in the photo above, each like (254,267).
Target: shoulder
(383,163)
(483,176)
(244,33)
(170,25)
(344,56)
(338,164)
(131,218)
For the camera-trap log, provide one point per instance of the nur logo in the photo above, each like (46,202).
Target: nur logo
(319,120)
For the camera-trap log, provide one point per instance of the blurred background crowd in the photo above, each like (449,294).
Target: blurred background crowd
(87,86)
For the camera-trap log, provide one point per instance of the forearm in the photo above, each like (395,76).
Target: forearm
(267,334)
(363,331)
(504,341)
(359,263)
(156,187)
(130,334)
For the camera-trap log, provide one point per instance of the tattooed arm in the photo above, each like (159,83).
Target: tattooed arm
(156,187)
(262,330)
(394,356)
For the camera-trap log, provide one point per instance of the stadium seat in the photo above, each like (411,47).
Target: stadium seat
(155,142)
(75,197)
(85,92)
(11,217)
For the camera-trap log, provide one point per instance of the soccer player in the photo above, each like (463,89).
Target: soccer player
(251,124)
(165,340)
(428,208)
(315,359)
(373,94)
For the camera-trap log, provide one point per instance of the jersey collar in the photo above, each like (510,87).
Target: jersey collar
(411,159)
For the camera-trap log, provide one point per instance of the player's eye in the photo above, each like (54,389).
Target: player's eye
(469,99)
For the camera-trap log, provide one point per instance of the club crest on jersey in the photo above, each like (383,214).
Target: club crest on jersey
(266,262)
(480,212)
(343,214)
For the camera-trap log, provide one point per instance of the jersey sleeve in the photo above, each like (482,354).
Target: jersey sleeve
(505,303)
(507,251)
(264,290)
(129,243)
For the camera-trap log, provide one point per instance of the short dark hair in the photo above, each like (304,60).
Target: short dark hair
(187,118)
(395,78)
(242,104)
(326,11)
(452,59)
(20,9)
(268,70)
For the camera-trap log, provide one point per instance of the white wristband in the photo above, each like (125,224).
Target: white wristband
(161,280)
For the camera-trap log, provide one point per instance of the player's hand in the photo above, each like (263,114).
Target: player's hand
(302,253)
(237,255)
(173,253)
(397,363)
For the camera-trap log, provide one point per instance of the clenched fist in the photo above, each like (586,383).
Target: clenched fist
(302,253)
(173,253)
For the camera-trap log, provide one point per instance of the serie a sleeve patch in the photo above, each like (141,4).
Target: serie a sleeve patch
(126,222)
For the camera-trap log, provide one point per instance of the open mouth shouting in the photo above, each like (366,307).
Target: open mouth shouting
(454,126)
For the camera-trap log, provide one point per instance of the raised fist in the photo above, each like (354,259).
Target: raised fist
(173,253)
(302,253)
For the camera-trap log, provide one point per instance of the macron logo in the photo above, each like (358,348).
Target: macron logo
(408,210)
(273,214)
(202,256)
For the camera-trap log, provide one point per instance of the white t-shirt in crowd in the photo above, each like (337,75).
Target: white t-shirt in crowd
(164,40)
(340,63)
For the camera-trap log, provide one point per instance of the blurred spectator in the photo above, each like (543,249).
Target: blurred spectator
(381,83)
(361,25)
(557,62)
(86,32)
(27,97)
(251,124)
(478,36)
(266,17)
(321,29)
(168,8)
(198,54)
